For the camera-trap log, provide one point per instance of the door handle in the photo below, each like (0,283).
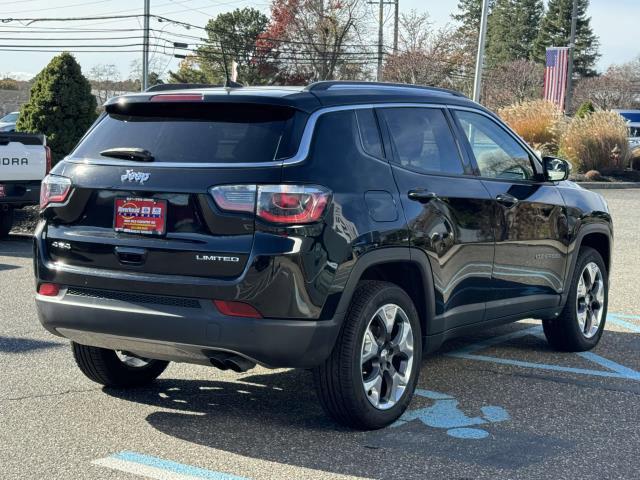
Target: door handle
(507,200)
(421,195)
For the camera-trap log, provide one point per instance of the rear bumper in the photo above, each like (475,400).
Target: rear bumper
(188,330)
(20,194)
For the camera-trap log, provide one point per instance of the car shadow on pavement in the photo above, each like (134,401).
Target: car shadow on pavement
(17,247)
(23,345)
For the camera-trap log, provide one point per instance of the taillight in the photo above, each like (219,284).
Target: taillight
(236,309)
(54,189)
(48,289)
(291,204)
(48,158)
(235,198)
(284,204)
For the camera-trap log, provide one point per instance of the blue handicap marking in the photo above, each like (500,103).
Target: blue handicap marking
(445,414)
(613,369)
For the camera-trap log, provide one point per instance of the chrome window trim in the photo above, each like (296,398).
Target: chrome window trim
(301,155)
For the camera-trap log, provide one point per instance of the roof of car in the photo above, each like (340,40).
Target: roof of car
(308,98)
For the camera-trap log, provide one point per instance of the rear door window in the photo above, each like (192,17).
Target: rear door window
(369,132)
(422,140)
(210,133)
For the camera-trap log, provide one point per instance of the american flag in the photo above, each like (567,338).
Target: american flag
(555,75)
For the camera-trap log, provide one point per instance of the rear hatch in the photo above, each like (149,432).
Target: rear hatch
(141,195)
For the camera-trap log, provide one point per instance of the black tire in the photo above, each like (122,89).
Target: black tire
(563,332)
(6,222)
(339,382)
(105,367)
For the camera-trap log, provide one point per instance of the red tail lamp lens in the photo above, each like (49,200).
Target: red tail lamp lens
(48,289)
(291,204)
(236,309)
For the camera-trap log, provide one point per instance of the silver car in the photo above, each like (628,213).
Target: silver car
(8,122)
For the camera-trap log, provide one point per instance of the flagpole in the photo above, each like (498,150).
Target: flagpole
(572,48)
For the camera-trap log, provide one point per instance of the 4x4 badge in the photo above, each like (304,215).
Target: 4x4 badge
(131,176)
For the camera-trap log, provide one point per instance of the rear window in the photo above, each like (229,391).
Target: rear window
(206,133)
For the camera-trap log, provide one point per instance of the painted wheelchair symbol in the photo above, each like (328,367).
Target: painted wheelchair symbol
(445,414)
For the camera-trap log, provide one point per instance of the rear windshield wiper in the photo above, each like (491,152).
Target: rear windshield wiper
(128,153)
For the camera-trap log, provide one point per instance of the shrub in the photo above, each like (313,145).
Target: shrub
(538,122)
(593,176)
(596,142)
(585,109)
(634,158)
(61,105)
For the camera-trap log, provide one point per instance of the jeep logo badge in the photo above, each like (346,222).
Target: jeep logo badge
(132,176)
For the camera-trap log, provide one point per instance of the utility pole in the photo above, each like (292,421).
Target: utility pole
(396,21)
(380,39)
(145,47)
(477,82)
(572,49)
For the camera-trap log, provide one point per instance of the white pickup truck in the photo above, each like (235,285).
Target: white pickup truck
(25,159)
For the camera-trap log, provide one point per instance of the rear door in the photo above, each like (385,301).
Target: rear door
(447,209)
(529,216)
(160,216)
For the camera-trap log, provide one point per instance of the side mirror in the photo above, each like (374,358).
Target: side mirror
(556,169)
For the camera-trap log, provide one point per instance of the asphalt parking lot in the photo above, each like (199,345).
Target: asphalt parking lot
(499,404)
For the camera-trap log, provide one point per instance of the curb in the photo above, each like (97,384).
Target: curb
(608,185)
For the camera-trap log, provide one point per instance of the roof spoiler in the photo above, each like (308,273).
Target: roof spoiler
(161,87)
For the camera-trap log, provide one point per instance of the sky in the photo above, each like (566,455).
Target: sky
(614,21)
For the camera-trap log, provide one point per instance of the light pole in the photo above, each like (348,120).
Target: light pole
(145,47)
(477,82)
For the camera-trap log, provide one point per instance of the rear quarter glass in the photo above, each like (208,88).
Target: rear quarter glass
(202,133)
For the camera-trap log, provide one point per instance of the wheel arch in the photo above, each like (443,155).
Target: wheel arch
(404,266)
(596,236)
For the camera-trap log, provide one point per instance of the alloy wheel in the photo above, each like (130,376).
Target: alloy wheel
(387,356)
(590,300)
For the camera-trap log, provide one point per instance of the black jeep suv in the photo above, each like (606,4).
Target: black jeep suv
(344,227)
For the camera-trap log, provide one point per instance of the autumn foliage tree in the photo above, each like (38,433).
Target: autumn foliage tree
(317,39)
(426,56)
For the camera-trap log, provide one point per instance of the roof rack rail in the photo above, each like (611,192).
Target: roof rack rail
(179,86)
(327,84)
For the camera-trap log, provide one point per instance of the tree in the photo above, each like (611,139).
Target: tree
(104,81)
(156,67)
(189,71)
(470,13)
(233,36)
(513,29)
(555,31)
(9,84)
(318,39)
(61,105)
(616,88)
(513,82)
(426,56)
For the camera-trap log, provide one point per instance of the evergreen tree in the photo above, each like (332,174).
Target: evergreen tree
(234,36)
(61,105)
(555,31)
(513,29)
(469,14)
